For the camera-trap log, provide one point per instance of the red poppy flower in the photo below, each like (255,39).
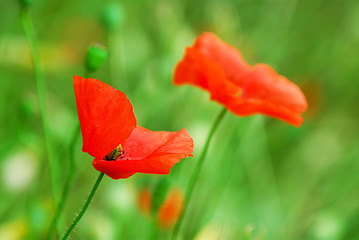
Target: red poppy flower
(111,135)
(244,90)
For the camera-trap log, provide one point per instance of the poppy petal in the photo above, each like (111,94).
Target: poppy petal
(264,83)
(197,70)
(212,65)
(208,58)
(223,54)
(148,152)
(267,92)
(106,116)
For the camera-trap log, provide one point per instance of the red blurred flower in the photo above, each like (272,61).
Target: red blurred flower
(110,134)
(144,201)
(169,211)
(244,90)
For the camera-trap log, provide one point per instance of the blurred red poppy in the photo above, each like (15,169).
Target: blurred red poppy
(111,135)
(170,209)
(243,89)
(144,201)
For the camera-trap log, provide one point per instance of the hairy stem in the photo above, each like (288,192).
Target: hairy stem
(84,208)
(68,183)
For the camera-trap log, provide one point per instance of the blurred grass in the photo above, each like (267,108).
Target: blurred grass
(261,174)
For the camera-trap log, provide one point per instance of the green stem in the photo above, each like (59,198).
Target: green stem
(84,208)
(111,67)
(154,228)
(116,65)
(70,176)
(41,95)
(194,177)
(69,180)
(68,183)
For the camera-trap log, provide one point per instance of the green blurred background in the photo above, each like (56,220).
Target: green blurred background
(262,179)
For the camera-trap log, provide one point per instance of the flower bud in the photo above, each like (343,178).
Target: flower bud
(112,16)
(95,57)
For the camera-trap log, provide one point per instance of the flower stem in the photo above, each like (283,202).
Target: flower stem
(116,64)
(194,177)
(41,95)
(154,234)
(84,208)
(68,183)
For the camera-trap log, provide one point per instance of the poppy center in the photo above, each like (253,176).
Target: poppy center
(114,154)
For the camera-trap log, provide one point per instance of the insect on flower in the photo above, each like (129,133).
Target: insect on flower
(114,154)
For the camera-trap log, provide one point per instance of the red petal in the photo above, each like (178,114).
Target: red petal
(267,92)
(197,70)
(148,152)
(105,114)
(227,57)
(264,83)
(208,58)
